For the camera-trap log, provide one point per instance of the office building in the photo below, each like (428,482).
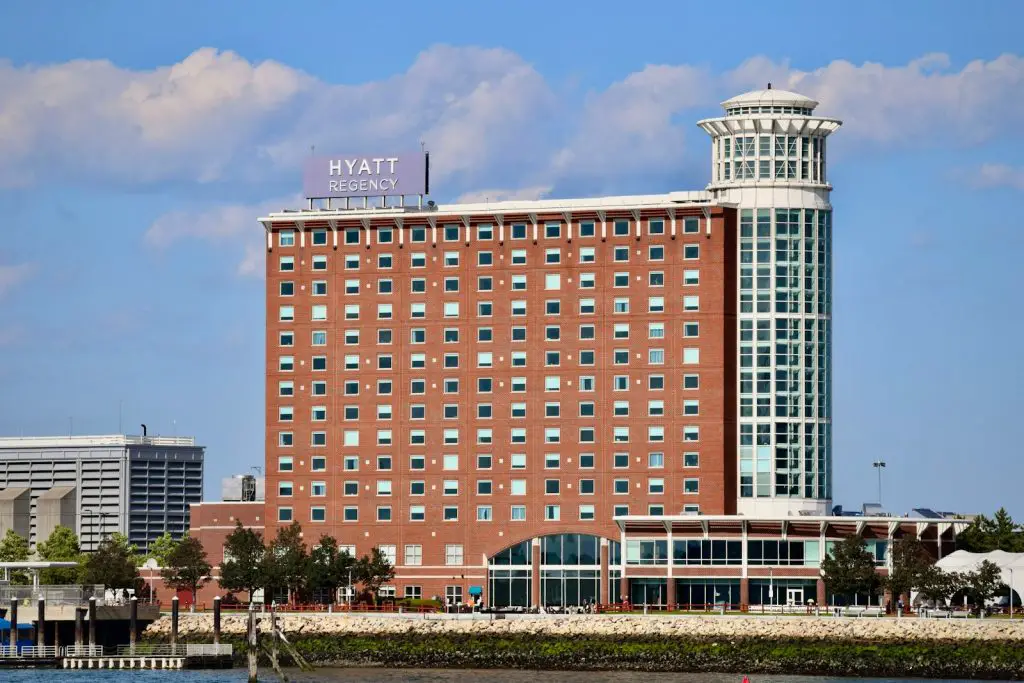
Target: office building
(140,486)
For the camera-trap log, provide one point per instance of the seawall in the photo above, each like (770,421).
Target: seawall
(933,648)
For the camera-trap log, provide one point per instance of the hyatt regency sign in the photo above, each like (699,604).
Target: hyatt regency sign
(366,176)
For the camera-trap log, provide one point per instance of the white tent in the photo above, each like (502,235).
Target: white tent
(1010,564)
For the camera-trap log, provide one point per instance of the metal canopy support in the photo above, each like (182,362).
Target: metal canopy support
(706,210)
(672,221)
(469,228)
(603,216)
(432,220)
(567,215)
(334,231)
(636,219)
(533,219)
(302,231)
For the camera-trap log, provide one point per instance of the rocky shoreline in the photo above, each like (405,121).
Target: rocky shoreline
(982,649)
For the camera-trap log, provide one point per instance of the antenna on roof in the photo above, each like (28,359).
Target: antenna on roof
(769,86)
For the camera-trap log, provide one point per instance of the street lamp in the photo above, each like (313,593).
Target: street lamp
(1011,592)
(879,465)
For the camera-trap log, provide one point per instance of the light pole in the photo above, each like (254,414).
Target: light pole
(1011,592)
(879,465)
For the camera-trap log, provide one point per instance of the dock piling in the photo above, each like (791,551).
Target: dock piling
(13,617)
(41,622)
(133,623)
(92,621)
(253,645)
(216,620)
(79,626)
(174,624)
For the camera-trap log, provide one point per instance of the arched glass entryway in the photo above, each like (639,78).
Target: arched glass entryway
(510,577)
(570,572)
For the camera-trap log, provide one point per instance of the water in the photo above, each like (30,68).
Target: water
(381,675)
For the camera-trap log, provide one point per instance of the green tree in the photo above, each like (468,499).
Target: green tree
(243,565)
(329,567)
(999,533)
(373,571)
(186,566)
(910,561)
(161,549)
(14,548)
(850,569)
(61,546)
(113,564)
(983,583)
(937,585)
(286,561)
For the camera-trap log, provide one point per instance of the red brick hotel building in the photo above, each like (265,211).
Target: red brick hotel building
(480,390)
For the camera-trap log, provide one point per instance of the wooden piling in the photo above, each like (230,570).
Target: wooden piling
(92,621)
(216,620)
(12,616)
(253,646)
(133,623)
(79,626)
(174,624)
(41,622)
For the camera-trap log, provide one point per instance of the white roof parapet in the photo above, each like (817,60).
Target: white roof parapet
(116,440)
(820,520)
(770,97)
(621,203)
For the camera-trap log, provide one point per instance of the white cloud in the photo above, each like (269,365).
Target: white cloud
(489,118)
(216,116)
(996,175)
(925,101)
(13,275)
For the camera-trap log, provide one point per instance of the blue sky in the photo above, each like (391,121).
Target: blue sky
(139,141)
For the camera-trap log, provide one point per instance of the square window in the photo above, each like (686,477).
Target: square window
(691,251)
(417,513)
(691,277)
(691,356)
(691,486)
(587,228)
(620,228)
(621,254)
(552,513)
(691,381)
(286,264)
(519,231)
(656,226)
(691,303)
(691,460)
(518,513)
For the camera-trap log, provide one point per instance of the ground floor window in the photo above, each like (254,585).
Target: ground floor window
(648,591)
(413,592)
(509,587)
(614,586)
(570,587)
(453,595)
(782,591)
(700,593)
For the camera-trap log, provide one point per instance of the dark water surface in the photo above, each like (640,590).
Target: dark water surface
(382,675)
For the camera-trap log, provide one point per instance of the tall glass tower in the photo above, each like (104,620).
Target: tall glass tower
(768,158)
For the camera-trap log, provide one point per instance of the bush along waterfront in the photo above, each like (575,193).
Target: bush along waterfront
(977,659)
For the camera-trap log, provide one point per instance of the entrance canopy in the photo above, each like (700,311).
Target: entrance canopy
(1011,565)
